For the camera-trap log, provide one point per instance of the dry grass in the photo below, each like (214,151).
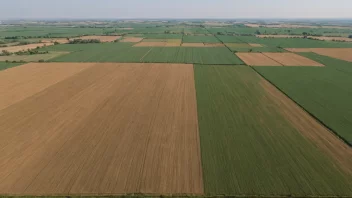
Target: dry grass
(291,59)
(238,45)
(255,45)
(103,39)
(131,40)
(25,47)
(257,59)
(338,53)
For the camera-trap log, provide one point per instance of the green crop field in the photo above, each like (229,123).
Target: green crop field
(4,65)
(215,55)
(248,148)
(229,39)
(200,39)
(324,92)
(295,42)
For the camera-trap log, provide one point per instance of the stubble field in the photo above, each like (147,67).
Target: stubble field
(97,130)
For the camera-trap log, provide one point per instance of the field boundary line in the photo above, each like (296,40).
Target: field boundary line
(140,60)
(233,53)
(299,105)
(273,59)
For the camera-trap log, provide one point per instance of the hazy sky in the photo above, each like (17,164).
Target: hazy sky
(175,9)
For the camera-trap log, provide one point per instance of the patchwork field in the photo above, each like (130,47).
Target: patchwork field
(257,59)
(32,58)
(99,128)
(291,59)
(131,39)
(101,38)
(339,53)
(247,159)
(24,47)
(323,92)
(175,108)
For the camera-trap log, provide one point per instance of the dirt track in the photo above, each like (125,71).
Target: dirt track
(110,129)
(291,59)
(257,59)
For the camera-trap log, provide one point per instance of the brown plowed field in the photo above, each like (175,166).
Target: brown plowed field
(101,38)
(257,59)
(110,129)
(311,129)
(25,47)
(19,83)
(338,53)
(131,40)
(291,59)
(255,45)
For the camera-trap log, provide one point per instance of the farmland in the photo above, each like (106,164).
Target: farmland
(322,92)
(175,108)
(238,157)
(95,93)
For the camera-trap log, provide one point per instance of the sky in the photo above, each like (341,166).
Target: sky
(53,9)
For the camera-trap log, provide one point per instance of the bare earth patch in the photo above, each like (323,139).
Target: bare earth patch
(257,59)
(255,45)
(25,47)
(103,39)
(110,129)
(311,129)
(291,59)
(193,45)
(298,49)
(338,53)
(131,40)
(19,83)
(238,45)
